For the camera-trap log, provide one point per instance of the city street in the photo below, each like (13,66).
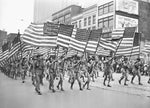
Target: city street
(14,94)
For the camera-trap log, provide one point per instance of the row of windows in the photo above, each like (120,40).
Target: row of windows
(106,22)
(76,24)
(91,20)
(106,8)
(87,21)
(89,28)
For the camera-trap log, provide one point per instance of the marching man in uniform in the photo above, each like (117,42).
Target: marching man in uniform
(124,71)
(38,74)
(136,71)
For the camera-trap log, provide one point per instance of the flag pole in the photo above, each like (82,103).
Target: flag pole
(84,53)
(20,44)
(117,48)
(140,43)
(99,39)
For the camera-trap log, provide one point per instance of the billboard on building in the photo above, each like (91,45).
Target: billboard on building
(129,6)
(122,21)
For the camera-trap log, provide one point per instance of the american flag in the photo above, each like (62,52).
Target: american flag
(14,51)
(61,51)
(15,48)
(4,53)
(108,44)
(146,48)
(126,43)
(93,41)
(41,50)
(103,52)
(34,35)
(117,34)
(136,44)
(64,34)
(26,47)
(1,57)
(71,52)
(80,41)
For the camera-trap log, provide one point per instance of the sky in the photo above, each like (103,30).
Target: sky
(18,14)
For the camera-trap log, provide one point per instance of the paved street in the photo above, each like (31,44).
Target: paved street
(14,94)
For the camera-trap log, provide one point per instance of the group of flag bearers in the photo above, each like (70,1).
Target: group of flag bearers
(87,66)
(77,68)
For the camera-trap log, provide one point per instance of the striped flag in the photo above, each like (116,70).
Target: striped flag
(1,57)
(146,48)
(61,51)
(64,34)
(14,50)
(126,43)
(71,52)
(80,41)
(34,35)
(26,47)
(108,44)
(103,52)
(136,45)
(93,41)
(41,50)
(4,53)
(117,34)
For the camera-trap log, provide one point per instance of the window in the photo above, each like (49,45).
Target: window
(80,24)
(100,10)
(110,22)
(75,24)
(89,20)
(94,19)
(85,21)
(106,8)
(106,22)
(100,23)
(110,7)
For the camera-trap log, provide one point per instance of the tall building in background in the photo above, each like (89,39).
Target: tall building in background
(64,16)
(86,19)
(3,37)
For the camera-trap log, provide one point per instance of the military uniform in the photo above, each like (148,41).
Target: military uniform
(136,71)
(24,68)
(52,75)
(107,72)
(87,69)
(76,76)
(61,74)
(38,74)
(124,71)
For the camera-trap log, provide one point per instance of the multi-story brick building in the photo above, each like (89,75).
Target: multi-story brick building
(3,37)
(64,16)
(109,15)
(86,19)
(117,14)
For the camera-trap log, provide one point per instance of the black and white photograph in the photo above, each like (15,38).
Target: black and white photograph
(74,53)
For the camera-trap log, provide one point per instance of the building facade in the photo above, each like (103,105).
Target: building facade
(3,37)
(64,16)
(109,15)
(117,14)
(86,19)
